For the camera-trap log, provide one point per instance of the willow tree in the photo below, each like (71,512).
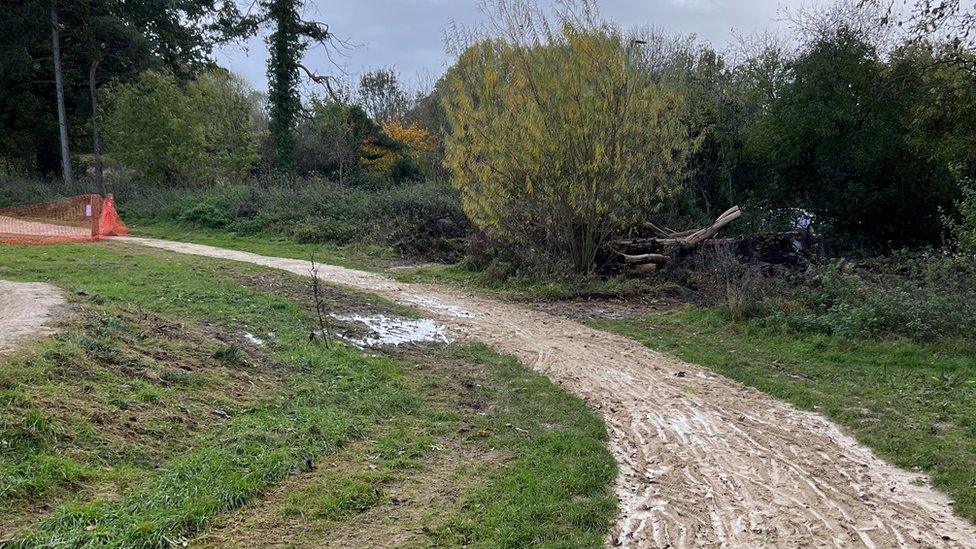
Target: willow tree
(558,141)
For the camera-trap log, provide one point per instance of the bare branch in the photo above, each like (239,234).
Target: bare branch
(324,80)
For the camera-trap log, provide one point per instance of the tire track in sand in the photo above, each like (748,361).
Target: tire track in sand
(704,460)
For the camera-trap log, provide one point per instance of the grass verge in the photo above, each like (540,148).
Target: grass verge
(532,289)
(151,416)
(382,258)
(913,403)
(367,257)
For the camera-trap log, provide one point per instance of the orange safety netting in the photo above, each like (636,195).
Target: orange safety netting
(77,219)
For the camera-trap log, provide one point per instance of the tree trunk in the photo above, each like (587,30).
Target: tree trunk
(59,87)
(97,141)
(285,48)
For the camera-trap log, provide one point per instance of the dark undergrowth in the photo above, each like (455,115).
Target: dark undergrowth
(416,219)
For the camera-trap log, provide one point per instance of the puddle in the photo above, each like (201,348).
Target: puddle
(254,340)
(391,330)
(432,303)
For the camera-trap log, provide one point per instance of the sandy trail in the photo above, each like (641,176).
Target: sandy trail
(704,461)
(25,227)
(26,312)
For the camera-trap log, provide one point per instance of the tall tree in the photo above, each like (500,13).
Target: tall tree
(840,144)
(59,92)
(285,52)
(948,26)
(382,96)
(290,38)
(167,132)
(96,137)
(128,36)
(951,20)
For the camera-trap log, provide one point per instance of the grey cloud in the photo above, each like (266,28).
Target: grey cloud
(408,34)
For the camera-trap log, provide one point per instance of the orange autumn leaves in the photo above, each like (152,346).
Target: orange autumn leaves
(411,141)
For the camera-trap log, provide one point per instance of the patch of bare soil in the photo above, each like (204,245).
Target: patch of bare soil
(27,311)
(704,460)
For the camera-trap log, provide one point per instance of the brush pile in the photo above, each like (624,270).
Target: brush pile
(667,247)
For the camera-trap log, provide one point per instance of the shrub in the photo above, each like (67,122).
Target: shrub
(166,132)
(964,229)
(206,215)
(329,139)
(557,142)
(335,231)
(923,296)
(421,218)
(231,117)
(420,150)
(150,128)
(738,288)
(21,190)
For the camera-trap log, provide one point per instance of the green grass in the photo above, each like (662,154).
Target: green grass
(914,403)
(529,288)
(354,256)
(344,497)
(148,417)
(380,258)
(557,446)
(538,472)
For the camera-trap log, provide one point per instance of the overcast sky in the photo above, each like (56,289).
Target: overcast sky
(409,34)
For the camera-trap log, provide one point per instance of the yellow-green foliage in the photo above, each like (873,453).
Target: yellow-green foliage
(557,142)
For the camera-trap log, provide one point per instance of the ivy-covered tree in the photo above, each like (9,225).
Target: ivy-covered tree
(290,38)
(285,47)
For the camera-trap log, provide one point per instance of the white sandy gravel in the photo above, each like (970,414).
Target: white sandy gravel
(27,310)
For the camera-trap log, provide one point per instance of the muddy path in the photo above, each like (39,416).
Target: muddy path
(27,310)
(704,460)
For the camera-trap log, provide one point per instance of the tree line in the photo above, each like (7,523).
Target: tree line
(560,131)
(565,131)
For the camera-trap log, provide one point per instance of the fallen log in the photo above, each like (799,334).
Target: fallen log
(664,232)
(646,258)
(700,235)
(668,247)
(692,237)
(649,249)
(791,249)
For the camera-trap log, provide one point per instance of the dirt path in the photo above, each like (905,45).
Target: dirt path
(26,228)
(704,461)
(26,311)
